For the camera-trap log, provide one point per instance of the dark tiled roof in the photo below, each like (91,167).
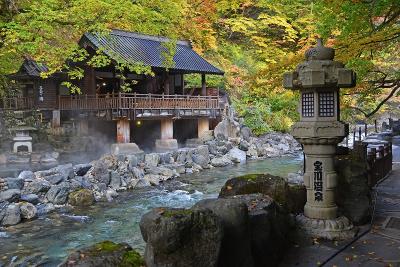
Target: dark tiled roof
(146,49)
(32,68)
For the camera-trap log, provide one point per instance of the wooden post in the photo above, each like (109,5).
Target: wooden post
(365,129)
(359,133)
(166,84)
(376,126)
(123,131)
(56,120)
(203,85)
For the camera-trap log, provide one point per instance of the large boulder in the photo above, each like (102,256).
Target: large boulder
(268,229)
(10,195)
(30,198)
(181,237)
(235,247)
(27,175)
(152,159)
(236,155)
(37,186)
(107,254)
(226,129)
(221,161)
(353,194)
(12,215)
(291,197)
(82,169)
(81,198)
(28,211)
(14,183)
(58,194)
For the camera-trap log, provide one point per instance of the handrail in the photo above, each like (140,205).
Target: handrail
(137,101)
(16,103)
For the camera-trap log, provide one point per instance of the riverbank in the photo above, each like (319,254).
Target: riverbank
(53,236)
(34,194)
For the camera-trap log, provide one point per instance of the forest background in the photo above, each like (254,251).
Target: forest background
(253,41)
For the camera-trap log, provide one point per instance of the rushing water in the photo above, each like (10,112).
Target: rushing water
(52,237)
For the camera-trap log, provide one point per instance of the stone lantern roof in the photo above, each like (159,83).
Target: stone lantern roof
(319,71)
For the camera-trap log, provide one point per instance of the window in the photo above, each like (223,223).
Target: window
(326,104)
(307,102)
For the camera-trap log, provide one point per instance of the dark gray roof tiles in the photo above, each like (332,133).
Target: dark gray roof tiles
(138,48)
(31,68)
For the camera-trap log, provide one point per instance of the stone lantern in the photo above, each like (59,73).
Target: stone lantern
(319,131)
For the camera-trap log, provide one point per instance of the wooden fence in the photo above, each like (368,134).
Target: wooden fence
(378,157)
(16,103)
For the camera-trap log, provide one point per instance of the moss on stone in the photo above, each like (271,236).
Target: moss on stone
(81,197)
(107,246)
(173,212)
(132,259)
(248,177)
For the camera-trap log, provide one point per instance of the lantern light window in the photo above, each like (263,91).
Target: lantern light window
(326,104)
(307,104)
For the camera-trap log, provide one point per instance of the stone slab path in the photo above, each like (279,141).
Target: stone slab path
(377,247)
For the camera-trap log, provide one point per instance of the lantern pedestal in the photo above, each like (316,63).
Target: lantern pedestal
(339,228)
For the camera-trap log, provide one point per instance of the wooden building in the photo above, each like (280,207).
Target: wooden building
(162,97)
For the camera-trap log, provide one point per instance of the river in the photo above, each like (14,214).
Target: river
(49,239)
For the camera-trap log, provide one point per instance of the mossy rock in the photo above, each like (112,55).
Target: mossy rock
(106,254)
(273,186)
(81,198)
(291,197)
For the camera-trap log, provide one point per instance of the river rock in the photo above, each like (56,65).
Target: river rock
(181,237)
(10,195)
(37,186)
(152,159)
(115,180)
(43,209)
(292,197)
(27,176)
(226,129)
(28,211)
(132,161)
(111,194)
(269,225)
(3,184)
(236,155)
(14,183)
(31,198)
(82,169)
(58,194)
(3,208)
(107,254)
(245,133)
(235,246)
(54,179)
(221,161)
(12,215)
(81,198)
(155,179)
(3,159)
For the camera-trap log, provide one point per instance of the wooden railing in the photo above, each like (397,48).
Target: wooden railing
(378,157)
(16,103)
(137,101)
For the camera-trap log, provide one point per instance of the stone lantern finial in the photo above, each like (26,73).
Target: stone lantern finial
(320,52)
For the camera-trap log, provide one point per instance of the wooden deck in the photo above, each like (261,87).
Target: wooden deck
(129,105)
